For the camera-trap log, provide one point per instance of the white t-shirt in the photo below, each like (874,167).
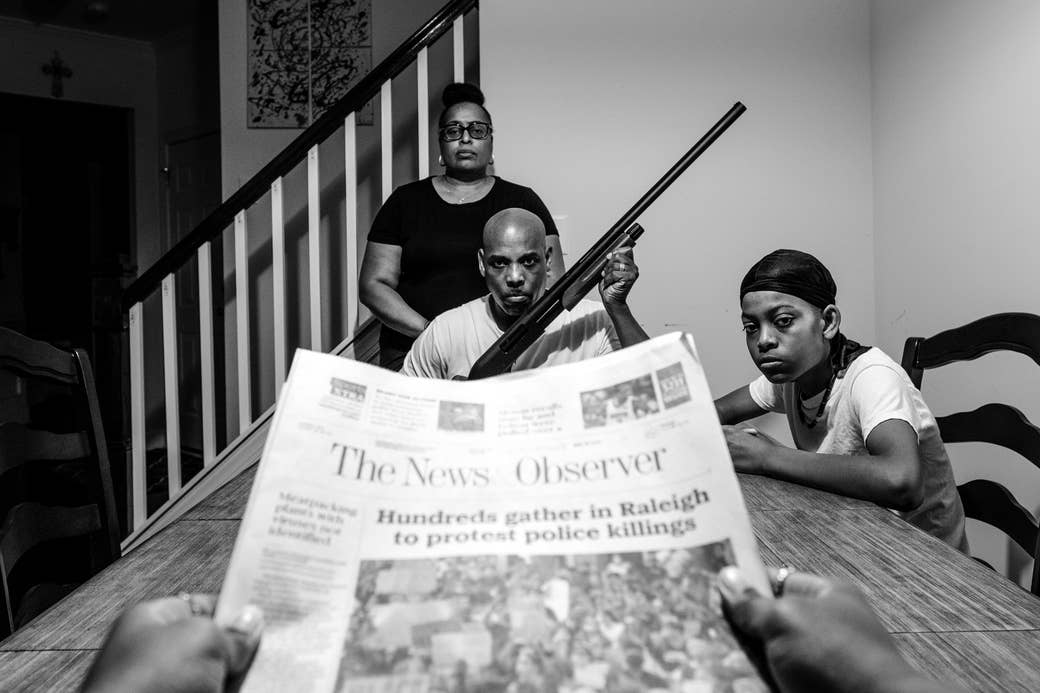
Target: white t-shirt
(452,343)
(875,389)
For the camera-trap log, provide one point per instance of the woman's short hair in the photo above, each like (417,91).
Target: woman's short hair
(461,92)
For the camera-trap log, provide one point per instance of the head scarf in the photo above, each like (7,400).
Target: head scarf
(792,272)
(800,274)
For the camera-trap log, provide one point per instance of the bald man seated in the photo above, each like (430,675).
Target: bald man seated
(513,263)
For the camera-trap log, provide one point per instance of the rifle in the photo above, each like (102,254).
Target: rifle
(584,274)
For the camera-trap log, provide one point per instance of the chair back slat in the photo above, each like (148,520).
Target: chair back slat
(995,505)
(19,444)
(56,446)
(30,524)
(999,424)
(35,359)
(1001,332)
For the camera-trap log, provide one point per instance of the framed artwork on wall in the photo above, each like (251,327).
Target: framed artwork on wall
(304,55)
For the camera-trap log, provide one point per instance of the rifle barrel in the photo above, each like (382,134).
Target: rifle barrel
(500,356)
(681,165)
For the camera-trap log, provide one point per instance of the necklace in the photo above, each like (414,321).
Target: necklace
(811,423)
(454,189)
(838,366)
(840,362)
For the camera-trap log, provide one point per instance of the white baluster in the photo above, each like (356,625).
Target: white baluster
(351,212)
(245,374)
(138,480)
(173,409)
(278,276)
(209,427)
(459,49)
(422,67)
(314,245)
(387,138)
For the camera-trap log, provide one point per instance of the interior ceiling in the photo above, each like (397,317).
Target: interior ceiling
(145,20)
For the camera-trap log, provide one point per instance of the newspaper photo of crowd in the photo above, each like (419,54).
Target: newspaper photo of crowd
(624,401)
(610,623)
(460,416)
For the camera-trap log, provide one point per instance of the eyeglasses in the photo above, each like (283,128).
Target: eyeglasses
(477,130)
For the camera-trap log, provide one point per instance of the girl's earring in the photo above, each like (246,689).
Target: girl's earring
(440,159)
(492,161)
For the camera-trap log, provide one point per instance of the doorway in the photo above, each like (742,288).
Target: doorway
(66,220)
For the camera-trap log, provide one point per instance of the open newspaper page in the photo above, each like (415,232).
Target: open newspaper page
(551,531)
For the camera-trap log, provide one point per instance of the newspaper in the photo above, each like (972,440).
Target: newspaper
(549,531)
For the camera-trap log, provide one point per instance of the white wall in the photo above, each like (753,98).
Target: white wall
(594,100)
(957,175)
(106,70)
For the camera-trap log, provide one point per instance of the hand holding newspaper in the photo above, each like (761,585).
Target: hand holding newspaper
(548,531)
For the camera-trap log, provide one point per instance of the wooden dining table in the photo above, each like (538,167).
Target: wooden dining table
(952,617)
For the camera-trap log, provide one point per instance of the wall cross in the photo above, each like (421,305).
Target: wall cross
(57,70)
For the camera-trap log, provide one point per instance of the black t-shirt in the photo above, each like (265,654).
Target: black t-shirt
(439,243)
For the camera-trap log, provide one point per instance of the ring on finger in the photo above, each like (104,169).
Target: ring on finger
(193,604)
(781,577)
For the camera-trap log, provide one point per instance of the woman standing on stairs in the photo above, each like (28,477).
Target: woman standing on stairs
(421,257)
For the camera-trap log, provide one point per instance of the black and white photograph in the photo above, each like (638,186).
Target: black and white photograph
(674,388)
(323,255)
(589,623)
(460,416)
(621,402)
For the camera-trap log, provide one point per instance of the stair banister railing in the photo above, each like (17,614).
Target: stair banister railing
(161,275)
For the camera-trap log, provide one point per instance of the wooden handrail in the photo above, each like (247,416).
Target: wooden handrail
(214,224)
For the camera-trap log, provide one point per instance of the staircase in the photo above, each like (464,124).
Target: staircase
(155,294)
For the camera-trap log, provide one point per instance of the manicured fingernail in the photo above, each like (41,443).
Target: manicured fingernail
(250,622)
(732,583)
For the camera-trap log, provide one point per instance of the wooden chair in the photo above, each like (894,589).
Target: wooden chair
(56,501)
(998,424)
